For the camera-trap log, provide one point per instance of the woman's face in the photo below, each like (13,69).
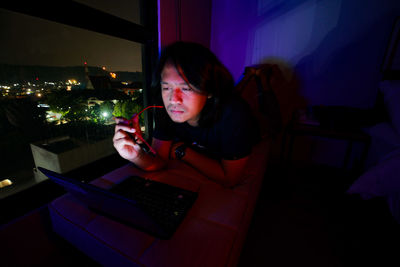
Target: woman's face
(183,104)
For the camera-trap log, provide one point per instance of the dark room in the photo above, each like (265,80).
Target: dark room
(200,133)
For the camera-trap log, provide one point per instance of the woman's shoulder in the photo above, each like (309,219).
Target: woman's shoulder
(239,116)
(236,107)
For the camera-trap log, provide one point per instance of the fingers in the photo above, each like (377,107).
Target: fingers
(124,127)
(126,146)
(131,125)
(120,120)
(119,134)
(120,142)
(127,136)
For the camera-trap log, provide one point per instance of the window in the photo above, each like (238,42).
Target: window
(65,71)
(128,10)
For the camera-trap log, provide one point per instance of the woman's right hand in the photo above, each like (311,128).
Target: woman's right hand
(124,138)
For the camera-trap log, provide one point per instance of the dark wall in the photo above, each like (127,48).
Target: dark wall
(186,20)
(334,47)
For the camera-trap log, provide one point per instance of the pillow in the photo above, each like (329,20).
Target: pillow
(384,140)
(391,97)
(381,180)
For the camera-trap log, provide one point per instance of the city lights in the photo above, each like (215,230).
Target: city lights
(56,98)
(72,81)
(5,182)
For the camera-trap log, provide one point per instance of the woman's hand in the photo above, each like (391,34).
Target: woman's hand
(125,138)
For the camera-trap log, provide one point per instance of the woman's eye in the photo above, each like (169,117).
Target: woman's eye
(164,88)
(187,89)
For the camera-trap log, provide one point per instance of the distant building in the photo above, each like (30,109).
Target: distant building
(104,82)
(128,88)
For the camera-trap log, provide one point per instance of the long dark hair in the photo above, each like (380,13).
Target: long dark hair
(197,65)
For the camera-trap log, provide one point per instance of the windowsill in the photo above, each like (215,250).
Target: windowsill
(36,191)
(31,180)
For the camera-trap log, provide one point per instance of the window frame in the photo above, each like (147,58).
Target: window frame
(91,19)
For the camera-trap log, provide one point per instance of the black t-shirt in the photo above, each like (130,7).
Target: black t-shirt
(231,137)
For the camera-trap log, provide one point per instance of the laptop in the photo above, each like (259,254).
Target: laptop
(149,206)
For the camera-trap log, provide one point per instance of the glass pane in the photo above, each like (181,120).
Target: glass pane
(60,87)
(128,10)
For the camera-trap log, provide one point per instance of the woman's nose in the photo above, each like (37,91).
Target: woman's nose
(176,95)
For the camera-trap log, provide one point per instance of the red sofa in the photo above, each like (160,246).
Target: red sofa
(212,233)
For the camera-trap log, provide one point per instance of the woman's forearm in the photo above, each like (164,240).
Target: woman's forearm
(211,168)
(149,162)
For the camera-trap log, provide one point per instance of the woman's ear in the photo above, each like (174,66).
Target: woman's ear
(209,96)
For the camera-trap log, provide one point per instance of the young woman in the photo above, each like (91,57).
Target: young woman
(203,123)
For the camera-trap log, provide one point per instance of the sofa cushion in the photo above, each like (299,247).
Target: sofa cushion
(196,243)
(120,237)
(380,180)
(391,96)
(72,209)
(220,205)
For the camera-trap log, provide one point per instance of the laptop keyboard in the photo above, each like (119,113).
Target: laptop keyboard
(166,204)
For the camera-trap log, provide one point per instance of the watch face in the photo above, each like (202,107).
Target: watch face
(180,151)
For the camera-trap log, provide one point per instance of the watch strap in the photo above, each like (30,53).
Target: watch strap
(180,151)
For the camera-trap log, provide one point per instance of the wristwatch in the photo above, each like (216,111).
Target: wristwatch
(180,151)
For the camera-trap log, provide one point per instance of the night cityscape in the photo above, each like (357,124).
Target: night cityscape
(60,89)
(68,104)
(92,87)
